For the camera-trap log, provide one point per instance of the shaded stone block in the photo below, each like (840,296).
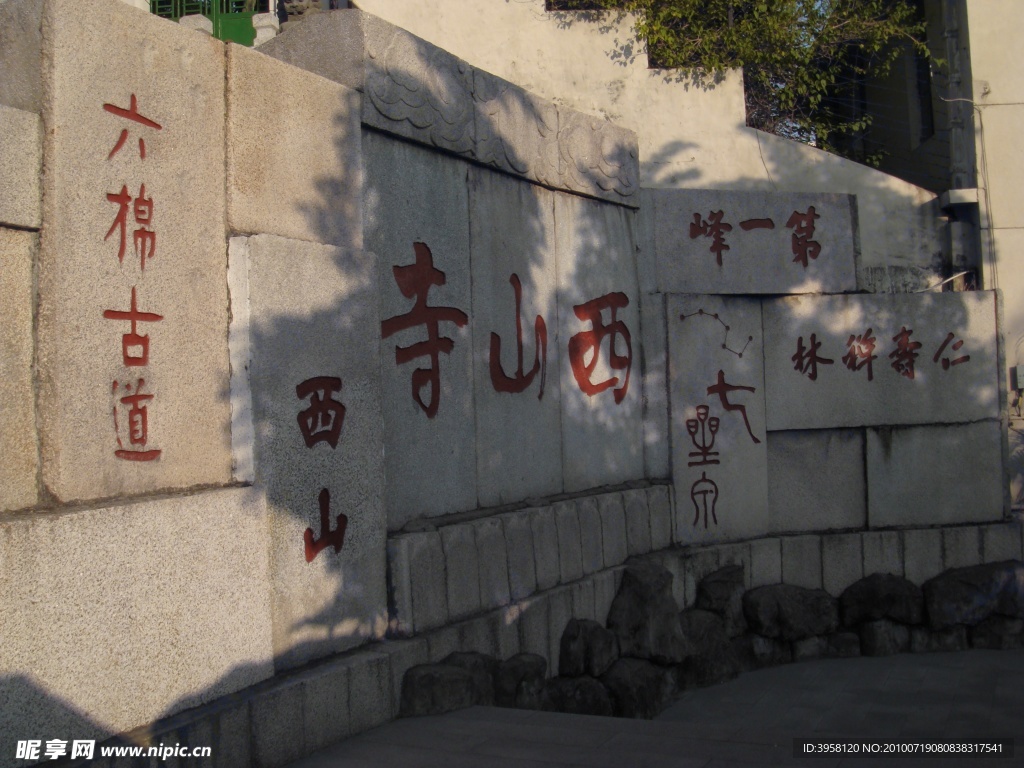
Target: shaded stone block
(545,547)
(429,583)
(722,593)
(277,727)
(492,561)
(639,688)
(325,701)
(841,561)
(577,696)
(790,612)
(922,554)
(926,640)
(519,681)
(369,691)
(644,615)
(433,689)
(570,555)
(638,522)
(462,571)
(482,668)
(613,529)
(293,153)
(586,648)
(1001,542)
(591,537)
(765,562)
(997,632)
(882,596)
(882,552)
(522,573)
(961,547)
(659,503)
(884,638)
(970,595)
(801,561)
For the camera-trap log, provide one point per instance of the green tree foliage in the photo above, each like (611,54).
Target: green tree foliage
(803,60)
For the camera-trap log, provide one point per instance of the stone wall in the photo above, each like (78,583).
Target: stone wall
(322,366)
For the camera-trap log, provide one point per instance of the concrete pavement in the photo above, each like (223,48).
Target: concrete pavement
(753,720)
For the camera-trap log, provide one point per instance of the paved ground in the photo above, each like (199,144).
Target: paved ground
(752,720)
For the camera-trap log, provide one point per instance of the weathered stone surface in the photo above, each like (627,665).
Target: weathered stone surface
(21,42)
(293,152)
(756,651)
(433,689)
(660,506)
(703,631)
(570,556)
(177,273)
(882,596)
(710,656)
(922,554)
(883,552)
(720,469)
(602,432)
(311,307)
(759,260)
(961,482)
(970,595)
(790,613)
(462,570)
(722,593)
(639,688)
(545,547)
(20,167)
(522,571)
(841,561)
(883,638)
(492,558)
(482,668)
(428,431)
(638,522)
(586,648)
(836,498)
(18,445)
(997,632)
(519,681)
(420,92)
(765,562)
(925,640)
(577,696)
(591,535)
(644,616)
(801,561)
(961,390)
(839,645)
(517,399)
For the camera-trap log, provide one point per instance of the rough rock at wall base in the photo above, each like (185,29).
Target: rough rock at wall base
(578,696)
(644,615)
(639,688)
(789,612)
(519,681)
(884,638)
(722,592)
(882,596)
(925,640)
(998,633)
(433,689)
(969,595)
(586,648)
(483,670)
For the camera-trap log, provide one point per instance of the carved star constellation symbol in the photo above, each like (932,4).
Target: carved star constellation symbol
(725,339)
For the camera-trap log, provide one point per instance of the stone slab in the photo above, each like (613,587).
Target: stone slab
(517,354)
(570,555)
(719,456)
(583,600)
(731,242)
(430,448)
(293,152)
(422,93)
(492,558)
(841,562)
(171,597)
(962,480)
(325,699)
(638,522)
(922,554)
(801,561)
(599,327)
(318,441)
(605,588)
(659,503)
(429,587)
(614,536)
(591,541)
(882,552)
(369,691)
(545,547)
(816,480)
(1001,542)
(101,436)
(696,566)
(522,570)
(18,438)
(949,383)
(533,623)
(276,725)
(961,547)
(765,562)
(21,168)
(462,570)
(21,44)
(657,453)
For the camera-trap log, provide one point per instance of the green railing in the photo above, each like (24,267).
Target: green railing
(232,19)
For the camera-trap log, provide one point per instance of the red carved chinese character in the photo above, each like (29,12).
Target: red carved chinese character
(415,280)
(138,424)
(722,388)
(335,538)
(750,224)
(704,425)
(803,247)
(144,238)
(704,495)
(946,362)
(132,113)
(714,228)
(859,354)
(905,354)
(520,380)
(806,359)
(132,339)
(322,421)
(589,342)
